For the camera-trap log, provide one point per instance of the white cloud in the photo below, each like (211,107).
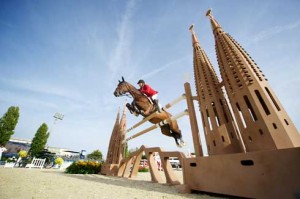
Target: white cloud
(122,53)
(164,67)
(19,99)
(273,31)
(41,87)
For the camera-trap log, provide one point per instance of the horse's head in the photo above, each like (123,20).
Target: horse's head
(122,88)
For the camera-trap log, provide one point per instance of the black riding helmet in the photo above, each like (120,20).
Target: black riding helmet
(141,81)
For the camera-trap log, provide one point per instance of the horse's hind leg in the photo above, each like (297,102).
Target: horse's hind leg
(178,136)
(166,130)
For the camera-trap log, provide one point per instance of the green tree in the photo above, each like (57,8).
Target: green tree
(39,141)
(95,155)
(8,123)
(126,150)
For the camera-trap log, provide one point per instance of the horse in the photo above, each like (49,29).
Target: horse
(142,105)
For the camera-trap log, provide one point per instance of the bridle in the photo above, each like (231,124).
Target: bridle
(131,93)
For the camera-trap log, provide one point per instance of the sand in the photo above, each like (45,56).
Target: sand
(21,183)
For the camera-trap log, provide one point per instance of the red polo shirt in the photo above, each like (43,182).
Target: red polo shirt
(148,90)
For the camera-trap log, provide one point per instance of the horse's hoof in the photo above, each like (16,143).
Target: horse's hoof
(179,145)
(182,143)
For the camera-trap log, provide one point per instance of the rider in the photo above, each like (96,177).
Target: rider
(148,91)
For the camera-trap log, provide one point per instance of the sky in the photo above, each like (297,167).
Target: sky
(67,56)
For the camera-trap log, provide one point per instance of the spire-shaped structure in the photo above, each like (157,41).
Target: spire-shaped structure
(116,147)
(262,120)
(112,142)
(220,131)
(122,132)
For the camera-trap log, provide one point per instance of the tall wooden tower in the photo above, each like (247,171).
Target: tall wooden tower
(110,157)
(262,120)
(219,128)
(116,148)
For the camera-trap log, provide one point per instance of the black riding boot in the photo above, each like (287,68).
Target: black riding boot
(157,105)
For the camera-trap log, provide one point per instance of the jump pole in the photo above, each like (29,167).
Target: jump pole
(169,105)
(166,121)
(193,120)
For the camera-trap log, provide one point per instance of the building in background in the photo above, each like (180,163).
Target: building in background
(14,145)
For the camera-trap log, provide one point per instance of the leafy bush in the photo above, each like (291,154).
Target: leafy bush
(95,155)
(12,159)
(22,154)
(59,161)
(143,169)
(84,167)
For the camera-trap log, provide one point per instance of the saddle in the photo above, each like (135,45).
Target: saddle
(149,99)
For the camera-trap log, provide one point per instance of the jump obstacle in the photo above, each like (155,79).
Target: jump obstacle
(231,166)
(220,172)
(268,167)
(130,165)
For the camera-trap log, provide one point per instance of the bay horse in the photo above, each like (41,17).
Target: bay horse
(141,105)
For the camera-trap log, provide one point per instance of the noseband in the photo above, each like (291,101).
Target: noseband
(124,93)
(131,94)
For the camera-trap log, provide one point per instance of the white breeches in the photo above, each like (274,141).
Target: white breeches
(154,96)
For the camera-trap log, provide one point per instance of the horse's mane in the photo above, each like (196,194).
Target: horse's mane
(134,89)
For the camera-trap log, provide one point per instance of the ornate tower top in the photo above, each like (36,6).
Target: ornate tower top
(214,23)
(194,38)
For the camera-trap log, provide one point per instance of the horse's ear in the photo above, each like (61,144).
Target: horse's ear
(119,81)
(123,79)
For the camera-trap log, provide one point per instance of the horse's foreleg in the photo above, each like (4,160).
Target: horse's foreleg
(131,109)
(135,108)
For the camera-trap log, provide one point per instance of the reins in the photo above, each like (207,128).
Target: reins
(133,95)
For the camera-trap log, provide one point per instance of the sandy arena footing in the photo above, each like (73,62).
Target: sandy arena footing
(50,183)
